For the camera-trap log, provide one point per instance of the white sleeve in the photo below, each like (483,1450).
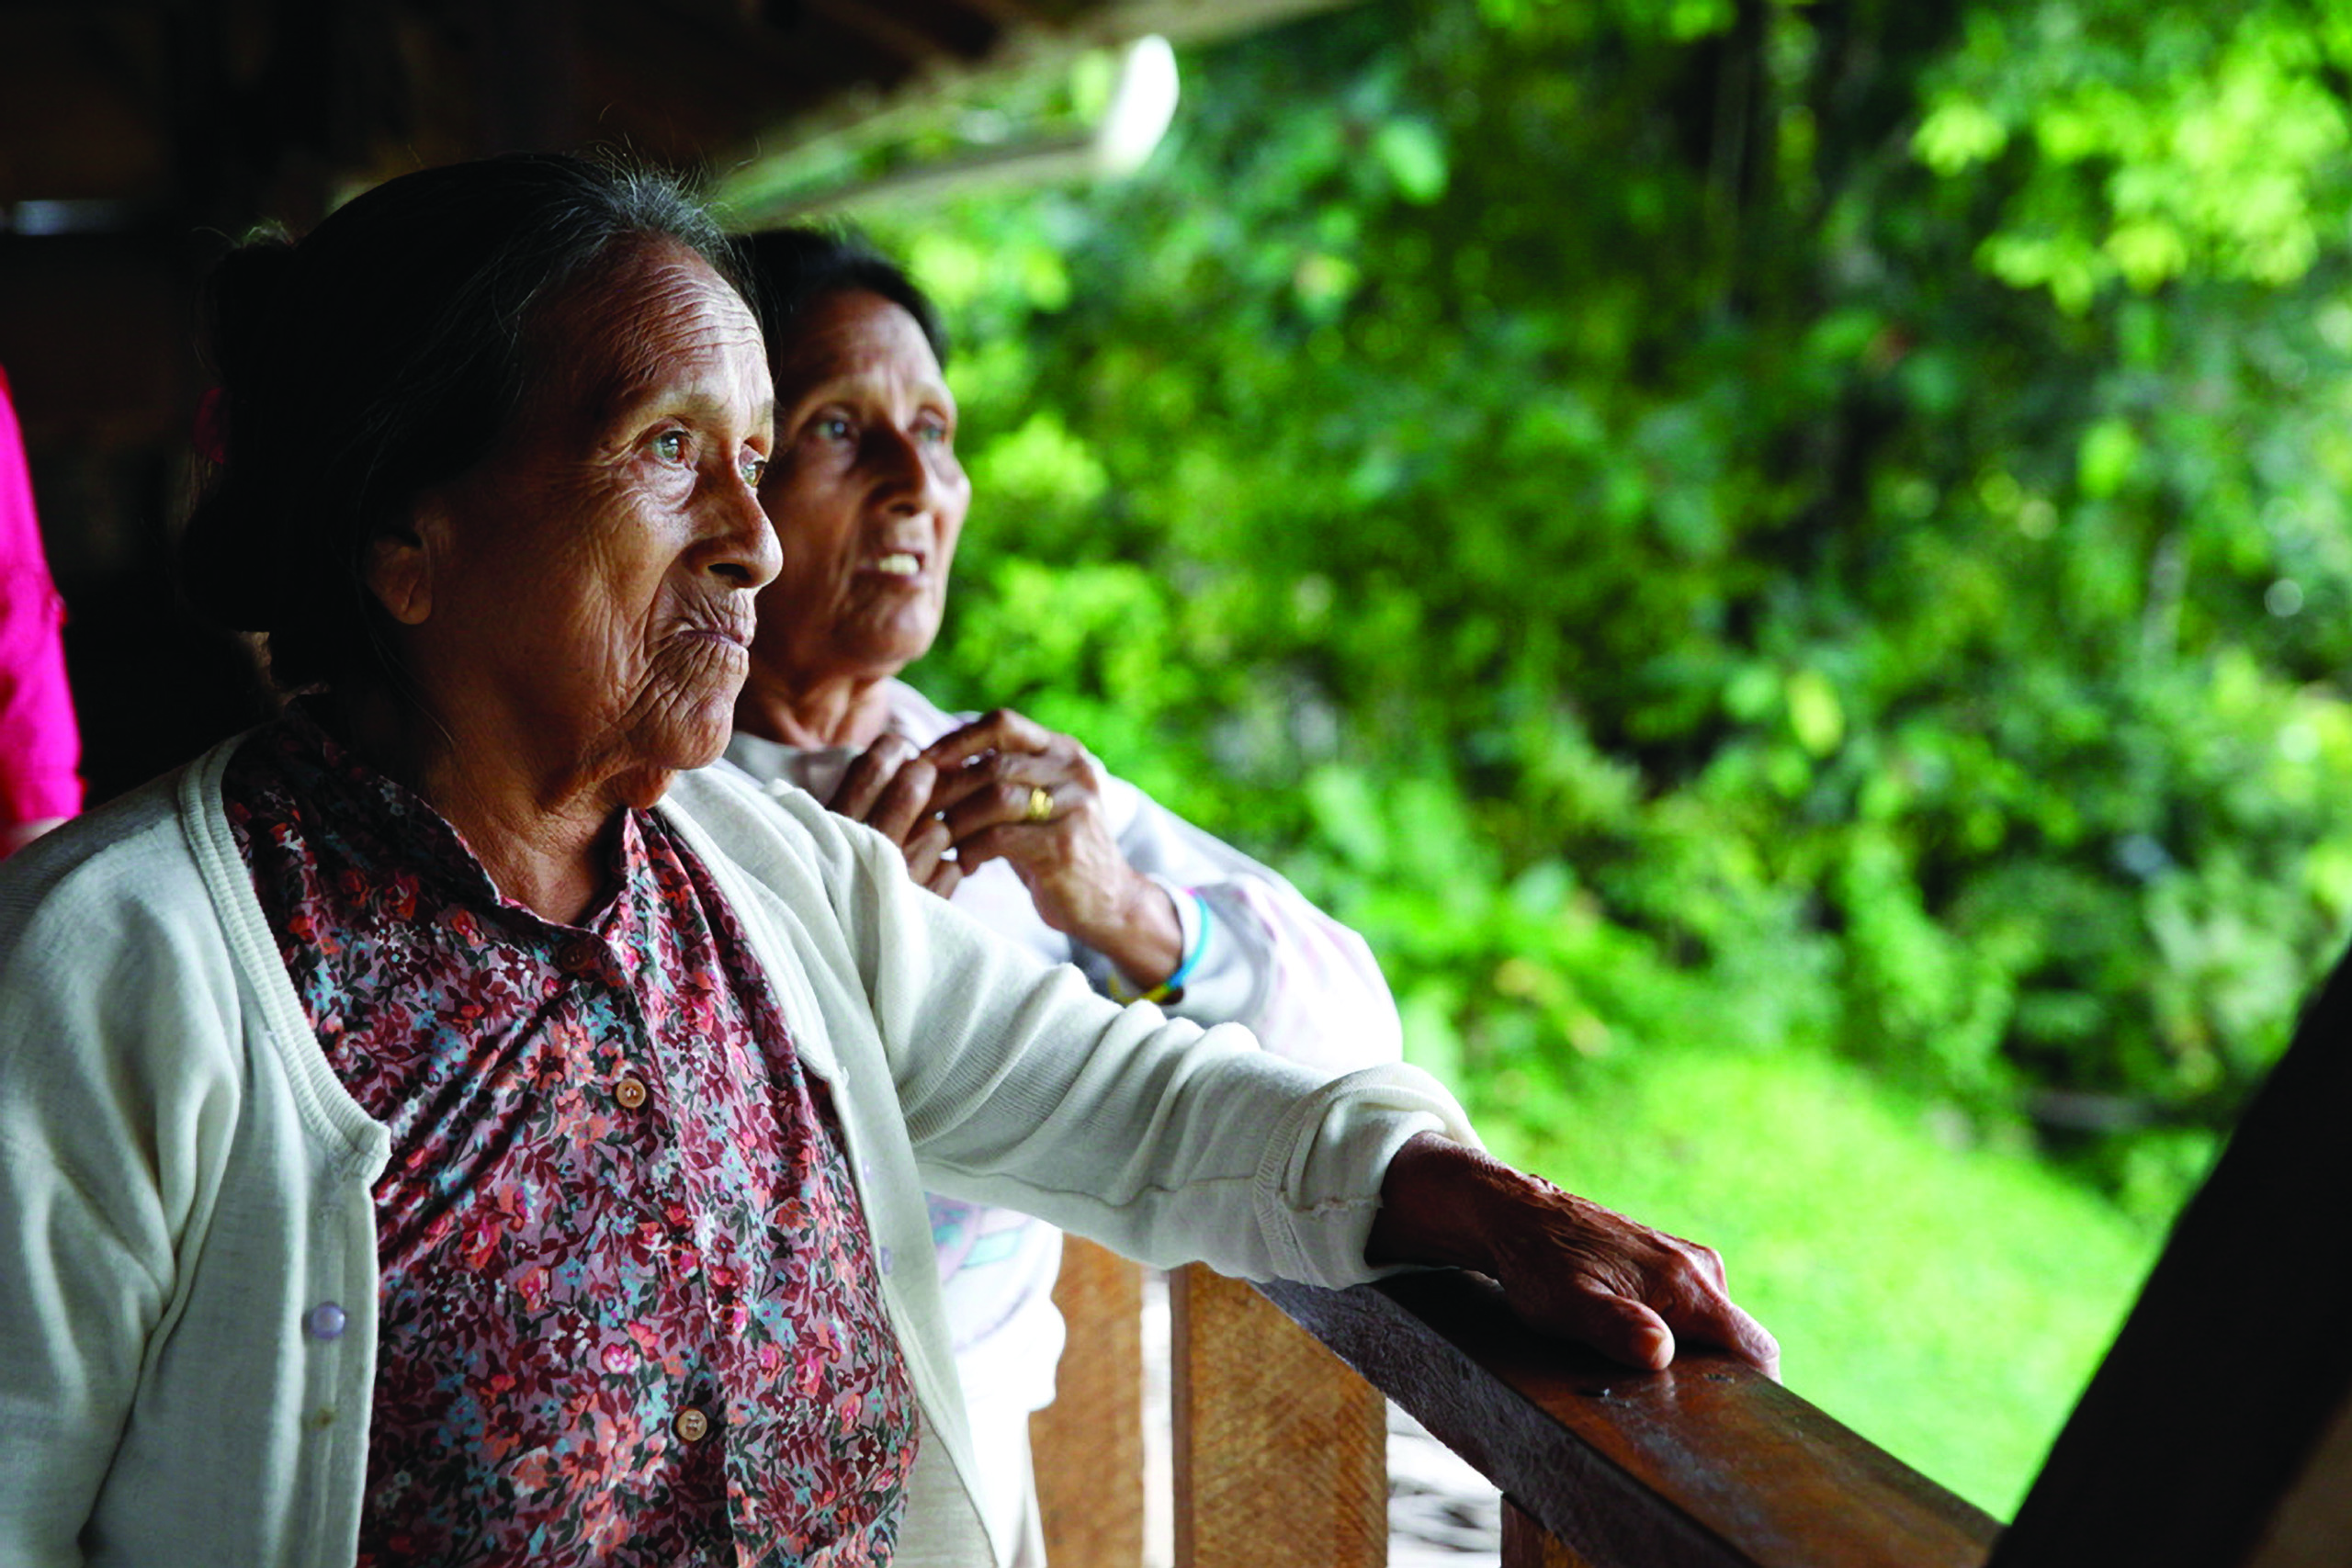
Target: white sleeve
(1018,1086)
(1304,984)
(92,1203)
(1023,1088)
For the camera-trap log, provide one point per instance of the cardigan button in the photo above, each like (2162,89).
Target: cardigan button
(629,1092)
(325,1321)
(691,1424)
(884,1260)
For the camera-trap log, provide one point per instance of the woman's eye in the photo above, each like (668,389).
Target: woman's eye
(670,446)
(755,470)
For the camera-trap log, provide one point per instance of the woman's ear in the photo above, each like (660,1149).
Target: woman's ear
(399,568)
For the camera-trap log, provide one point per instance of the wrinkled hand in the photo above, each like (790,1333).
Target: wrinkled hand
(1566,1266)
(888,787)
(1082,884)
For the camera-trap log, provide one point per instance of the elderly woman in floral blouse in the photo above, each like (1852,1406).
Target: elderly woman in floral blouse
(452,1125)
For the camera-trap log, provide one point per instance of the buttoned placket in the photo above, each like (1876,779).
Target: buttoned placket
(594,964)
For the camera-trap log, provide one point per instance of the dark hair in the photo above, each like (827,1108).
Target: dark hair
(793,269)
(382,355)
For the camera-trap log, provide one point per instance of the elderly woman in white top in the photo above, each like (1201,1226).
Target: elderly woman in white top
(1019,826)
(451,1125)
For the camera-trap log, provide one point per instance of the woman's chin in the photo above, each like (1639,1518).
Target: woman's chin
(681,736)
(702,746)
(890,637)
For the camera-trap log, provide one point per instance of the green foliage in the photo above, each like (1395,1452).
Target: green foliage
(1786,563)
(1743,521)
(1946,1299)
(2161,143)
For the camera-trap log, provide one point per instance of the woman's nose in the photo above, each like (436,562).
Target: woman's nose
(743,548)
(914,486)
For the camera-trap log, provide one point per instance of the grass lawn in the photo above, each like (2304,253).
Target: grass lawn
(1948,1302)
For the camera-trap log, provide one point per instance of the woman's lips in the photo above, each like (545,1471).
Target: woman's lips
(728,631)
(898,563)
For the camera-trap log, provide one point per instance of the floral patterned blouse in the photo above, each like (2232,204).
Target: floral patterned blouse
(629,1312)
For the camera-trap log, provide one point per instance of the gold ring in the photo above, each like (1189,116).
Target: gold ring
(1041,805)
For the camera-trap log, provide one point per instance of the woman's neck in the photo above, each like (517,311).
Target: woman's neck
(842,712)
(542,842)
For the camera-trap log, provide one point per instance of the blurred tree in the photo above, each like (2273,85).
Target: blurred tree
(1777,521)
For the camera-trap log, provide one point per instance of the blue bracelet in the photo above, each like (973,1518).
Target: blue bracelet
(1175,982)
(1172,988)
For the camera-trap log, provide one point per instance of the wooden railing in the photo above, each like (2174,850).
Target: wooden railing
(1708,1465)
(2217,1434)
(1280,1443)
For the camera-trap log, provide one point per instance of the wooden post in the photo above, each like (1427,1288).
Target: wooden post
(1282,1452)
(1088,1444)
(2312,1526)
(1527,1544)
(2217,1431)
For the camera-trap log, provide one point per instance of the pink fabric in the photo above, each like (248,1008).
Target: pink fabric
(39,745)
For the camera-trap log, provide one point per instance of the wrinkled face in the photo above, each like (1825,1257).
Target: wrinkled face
(591,582)
(866,496)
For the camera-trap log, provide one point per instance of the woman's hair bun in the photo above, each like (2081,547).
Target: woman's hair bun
(231,529)
(241,296)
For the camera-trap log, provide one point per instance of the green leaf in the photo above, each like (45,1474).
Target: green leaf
(1414,155)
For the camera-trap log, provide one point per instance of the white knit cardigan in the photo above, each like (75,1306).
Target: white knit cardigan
(183,1182)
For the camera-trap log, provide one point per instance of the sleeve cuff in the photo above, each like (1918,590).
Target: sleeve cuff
(1318,1189)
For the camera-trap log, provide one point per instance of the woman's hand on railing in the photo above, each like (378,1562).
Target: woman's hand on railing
(1567,1267)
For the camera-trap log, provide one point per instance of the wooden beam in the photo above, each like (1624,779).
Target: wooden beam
(917,31)
(84,106)
(1708,1465)
(1189,21)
